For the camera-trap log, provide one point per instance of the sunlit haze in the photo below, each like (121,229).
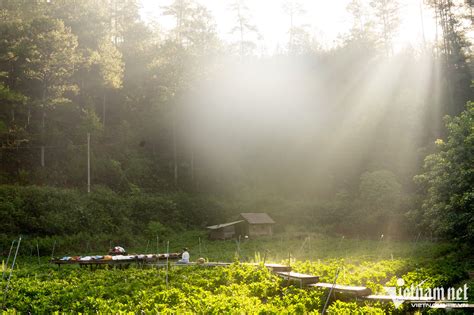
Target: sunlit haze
(326,21)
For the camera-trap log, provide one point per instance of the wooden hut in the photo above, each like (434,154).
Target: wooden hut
(223,231)
(256,224)
(250,224)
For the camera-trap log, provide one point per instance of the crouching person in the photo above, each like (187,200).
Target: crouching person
(184,257)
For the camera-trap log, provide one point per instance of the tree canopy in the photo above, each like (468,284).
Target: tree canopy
(340,129)
(448,181)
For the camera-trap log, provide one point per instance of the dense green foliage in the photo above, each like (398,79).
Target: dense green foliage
(193,289)
(72,216)
(238,288)
(183,110)
(43,211)
(448,181)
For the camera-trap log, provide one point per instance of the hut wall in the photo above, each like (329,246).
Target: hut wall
(260,229)
(222,233)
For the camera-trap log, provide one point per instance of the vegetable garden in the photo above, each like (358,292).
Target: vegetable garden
(43,288)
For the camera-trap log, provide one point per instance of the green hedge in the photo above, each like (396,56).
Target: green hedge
(45,212)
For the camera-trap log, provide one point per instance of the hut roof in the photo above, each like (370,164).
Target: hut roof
(218,226)
(257,218)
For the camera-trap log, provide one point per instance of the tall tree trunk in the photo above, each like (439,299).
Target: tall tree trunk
(385,33)
(241,35)
(436,26)
(175,153)
(43,125)
(179,21)
(445,15)
(115,23)
(291,32)
(103,109)
(192,166)
(422,21)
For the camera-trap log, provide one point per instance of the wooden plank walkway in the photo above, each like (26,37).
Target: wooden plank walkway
(276,267)
(301,278)
(272,267)
(355,290)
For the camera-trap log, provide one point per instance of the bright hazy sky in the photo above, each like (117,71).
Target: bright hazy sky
(327,19)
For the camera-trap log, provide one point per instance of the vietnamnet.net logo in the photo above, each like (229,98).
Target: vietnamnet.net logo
(438,297)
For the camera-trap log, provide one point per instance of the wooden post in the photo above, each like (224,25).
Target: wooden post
(238,247)
(157,244)
(200,246)
(289,269)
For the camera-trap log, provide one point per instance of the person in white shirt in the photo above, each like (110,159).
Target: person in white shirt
(117,250)
(184,256)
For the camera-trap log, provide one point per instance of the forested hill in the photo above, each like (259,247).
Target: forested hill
(333,136)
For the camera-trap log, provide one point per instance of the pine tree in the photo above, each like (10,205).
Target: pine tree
(387,21)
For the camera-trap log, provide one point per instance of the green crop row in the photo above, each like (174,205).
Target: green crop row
(193,289)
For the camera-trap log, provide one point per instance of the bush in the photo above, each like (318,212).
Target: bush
(45,212)
(155,228)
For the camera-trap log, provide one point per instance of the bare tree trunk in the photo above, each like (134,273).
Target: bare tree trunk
(291,32)
(385,33)
(192,166)
(42,156)
(43,120)
(179,21)
(103,110)
(115,23)
(175,153)
(43,126)
(445,13)
(436,26)
(88,162)
(422,25)
(241,35)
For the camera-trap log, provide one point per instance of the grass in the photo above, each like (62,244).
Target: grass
(303,247)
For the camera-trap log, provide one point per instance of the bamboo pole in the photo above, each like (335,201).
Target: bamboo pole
(54,247)
(38,252)
(8,259)
(11,272)
(330,291)
(167,260)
